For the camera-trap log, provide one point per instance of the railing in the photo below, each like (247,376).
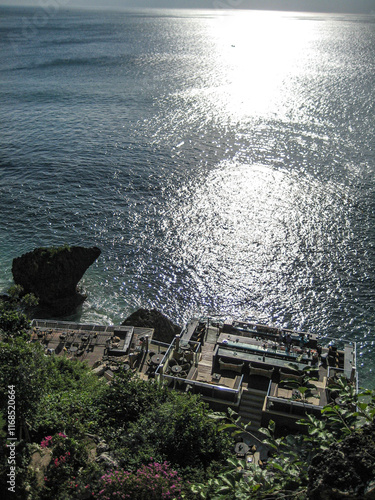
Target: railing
(333,371)
(291,407)
(355,364)
(171,348)
(269,389)
(269,351)
(255,328)
(68,325)
(210,391)
(340,343)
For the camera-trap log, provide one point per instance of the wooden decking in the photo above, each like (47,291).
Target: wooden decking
(84,342)
(206,367)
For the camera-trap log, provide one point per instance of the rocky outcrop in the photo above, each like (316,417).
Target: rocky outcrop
(346,470)
(164,329)
(107,460)
(52,275)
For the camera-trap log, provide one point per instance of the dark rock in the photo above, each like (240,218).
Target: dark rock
(52,275)
(164,329)
(346,470)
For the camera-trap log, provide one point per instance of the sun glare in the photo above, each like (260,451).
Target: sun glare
(256,52)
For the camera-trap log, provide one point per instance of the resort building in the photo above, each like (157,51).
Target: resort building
(260,372)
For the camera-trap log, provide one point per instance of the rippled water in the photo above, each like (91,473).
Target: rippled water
(223,162)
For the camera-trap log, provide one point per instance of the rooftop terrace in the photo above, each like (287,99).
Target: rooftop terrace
(252,368)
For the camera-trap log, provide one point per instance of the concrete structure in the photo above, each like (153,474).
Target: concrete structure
(260,372)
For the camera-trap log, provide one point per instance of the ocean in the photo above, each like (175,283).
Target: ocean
(223,161)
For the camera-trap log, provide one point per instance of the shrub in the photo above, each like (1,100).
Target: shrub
(13,323)
(152,482)
(68,456)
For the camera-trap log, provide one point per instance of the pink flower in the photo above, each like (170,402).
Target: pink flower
(46,441)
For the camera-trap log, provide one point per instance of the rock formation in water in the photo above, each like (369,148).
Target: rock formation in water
(164,329)
(52,275)
(346,470)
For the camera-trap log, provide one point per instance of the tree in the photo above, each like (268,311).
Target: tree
(69,402)
(181,430)
(12,322)
(287,473)
(129,397)
(144,419)
(23,367)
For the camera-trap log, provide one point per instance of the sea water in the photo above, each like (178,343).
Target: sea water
(223,161)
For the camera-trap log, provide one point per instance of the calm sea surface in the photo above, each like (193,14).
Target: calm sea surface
(223,162)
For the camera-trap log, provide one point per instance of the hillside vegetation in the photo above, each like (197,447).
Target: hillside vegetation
(79,437)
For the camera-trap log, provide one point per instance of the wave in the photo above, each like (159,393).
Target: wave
(127,62)
(78,61)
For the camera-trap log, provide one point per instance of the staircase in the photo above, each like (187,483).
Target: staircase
(251,405)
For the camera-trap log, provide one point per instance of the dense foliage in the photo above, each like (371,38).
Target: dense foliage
(12,322)
(287,472)
(79,437)
(142,419)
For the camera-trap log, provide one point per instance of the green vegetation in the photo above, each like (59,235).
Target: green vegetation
(80,437)
(287,472)
(48,253)
(51,251)
(13,320)
(142,419)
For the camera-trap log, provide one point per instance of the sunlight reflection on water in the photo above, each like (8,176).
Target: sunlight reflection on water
(256,54)
(222,161)
(252,235)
